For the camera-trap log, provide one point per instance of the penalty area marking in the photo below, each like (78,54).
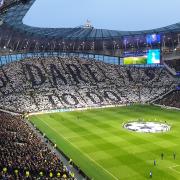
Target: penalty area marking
(172,168)
(114,177)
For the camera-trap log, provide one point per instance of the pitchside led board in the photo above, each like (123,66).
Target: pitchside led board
(152,56)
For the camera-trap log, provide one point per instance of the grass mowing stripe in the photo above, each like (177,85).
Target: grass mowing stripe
(114,177)
(99,134)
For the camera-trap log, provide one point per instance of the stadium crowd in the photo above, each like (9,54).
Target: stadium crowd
(24,155)
(41,83)
(45,83)
(172,99)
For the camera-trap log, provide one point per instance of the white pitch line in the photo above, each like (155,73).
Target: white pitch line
(172,168)
(80,151)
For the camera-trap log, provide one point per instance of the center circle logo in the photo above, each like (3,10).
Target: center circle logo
(147,127)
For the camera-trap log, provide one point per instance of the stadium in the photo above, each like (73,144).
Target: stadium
(86,103)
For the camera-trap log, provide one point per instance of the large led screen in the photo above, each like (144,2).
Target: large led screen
(153,38)
(153,56)
(135,60)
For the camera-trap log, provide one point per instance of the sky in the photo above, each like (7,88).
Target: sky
(104,14)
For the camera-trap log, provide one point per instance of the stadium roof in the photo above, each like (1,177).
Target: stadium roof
(14,13)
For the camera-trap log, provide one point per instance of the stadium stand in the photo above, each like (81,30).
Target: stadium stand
(38,84)
(24,155)
(175,64)
(172,100)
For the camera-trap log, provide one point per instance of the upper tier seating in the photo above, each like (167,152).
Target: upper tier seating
(37,84)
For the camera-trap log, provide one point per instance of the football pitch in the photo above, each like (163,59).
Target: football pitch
(97,142)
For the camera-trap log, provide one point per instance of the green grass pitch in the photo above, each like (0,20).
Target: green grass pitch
(96,141)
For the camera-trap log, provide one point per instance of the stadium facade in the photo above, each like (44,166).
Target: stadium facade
(18,37)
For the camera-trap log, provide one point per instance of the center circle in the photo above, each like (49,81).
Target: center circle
(147,127)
